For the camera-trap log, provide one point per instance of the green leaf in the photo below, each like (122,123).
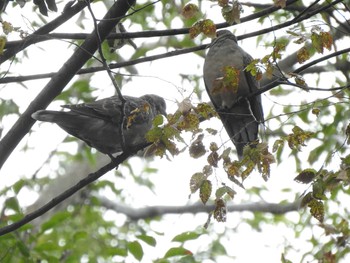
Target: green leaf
(2,44)
(18,185)
(55,220)
(158,120)
(80,235)
(23,248)
(224,190)
(318,189)
(116,251)
(185,236)
(12,203)
(196,181)
(317,209)
(205,191)
(148,240)
(47,246)
(135,249)
(177,251)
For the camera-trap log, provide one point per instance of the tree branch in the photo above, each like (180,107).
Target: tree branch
(154,211)
(176,52)
(70,191)
(61,78)
(36,37)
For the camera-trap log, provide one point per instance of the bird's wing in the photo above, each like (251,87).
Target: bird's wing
(102,109)
(253,84)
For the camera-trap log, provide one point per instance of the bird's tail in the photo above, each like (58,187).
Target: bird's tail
(47,115)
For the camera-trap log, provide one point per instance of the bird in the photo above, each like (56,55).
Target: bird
(240,115)
(107,126)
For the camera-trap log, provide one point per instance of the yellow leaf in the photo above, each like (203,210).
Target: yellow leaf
(316,111)
(205,191)
(303,55)
(2,44)
(195,30)
(280,3)
(327,40)
(269,70)
(317,209)
(7,27)
(277,144)
(317,42)
(208,28)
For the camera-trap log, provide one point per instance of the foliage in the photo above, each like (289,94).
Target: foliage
(303,71)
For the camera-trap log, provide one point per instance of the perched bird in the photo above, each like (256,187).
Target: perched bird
(105,125)
(241,120)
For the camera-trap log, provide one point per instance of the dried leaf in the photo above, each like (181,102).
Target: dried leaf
(232,169)
(213,159)
(220,210)
(197,148)
(189,11)
(195,30)
(327,40)
(317,209)
(208,28)
(280,3)
(7,27)
(303,55)
(306,176)
(316,111)
(205,110)
(189,122)
(232,13)
(298,137)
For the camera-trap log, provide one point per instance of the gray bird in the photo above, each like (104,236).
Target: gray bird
(100,123)
(241,120)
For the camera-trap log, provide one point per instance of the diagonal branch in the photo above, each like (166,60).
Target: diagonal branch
(70,191)
(61,78)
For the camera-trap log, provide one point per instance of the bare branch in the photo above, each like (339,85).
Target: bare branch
(154,211)
(36,38)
